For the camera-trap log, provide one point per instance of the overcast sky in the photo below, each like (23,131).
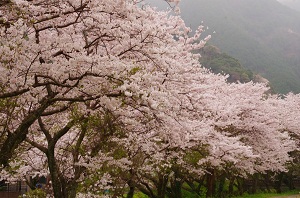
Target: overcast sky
(161,4)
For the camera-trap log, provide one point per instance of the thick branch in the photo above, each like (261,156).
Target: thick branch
(44,130)
(14,139)
(54,111)
(146,190)
(36,145)
(79,9)
(63,131)
(13,93)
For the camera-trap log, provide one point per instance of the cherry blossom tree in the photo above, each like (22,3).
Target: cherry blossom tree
(90,57)
(49,59)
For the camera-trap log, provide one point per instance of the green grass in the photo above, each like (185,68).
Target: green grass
(267,195)
(139,195)
(257,195)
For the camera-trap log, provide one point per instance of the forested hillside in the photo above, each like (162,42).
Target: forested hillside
(218,62)
(221,63)
(263,35)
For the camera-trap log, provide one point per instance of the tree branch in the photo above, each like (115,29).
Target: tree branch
(14,93)
(44,130)
(36,145)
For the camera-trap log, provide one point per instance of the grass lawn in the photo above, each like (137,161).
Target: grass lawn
(267,195)
(258,195)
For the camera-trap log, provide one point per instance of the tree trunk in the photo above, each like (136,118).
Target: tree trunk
(162,186)
(130,192)
(61,188)
(14,139)
(54,172)
(267,181)
(71,189)
(231,184)
(221,185)
(241,185)
(210,182)
(131,189)
(176,189)
(278,182)
(255,184)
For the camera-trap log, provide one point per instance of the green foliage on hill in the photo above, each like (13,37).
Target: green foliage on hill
(263,35)
(219,62)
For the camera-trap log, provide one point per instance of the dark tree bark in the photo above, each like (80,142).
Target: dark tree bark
(278,182)
(14,139)
(221,184)
(130,192)
(231,184)
(176,183)
(255,183)
(176,186)
(241,185)
(210,182)
(162,186)
(4,2)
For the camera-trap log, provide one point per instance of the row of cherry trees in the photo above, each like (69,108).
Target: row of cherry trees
(106,98)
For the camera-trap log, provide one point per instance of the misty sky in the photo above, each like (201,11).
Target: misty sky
(161,4)
(157,3)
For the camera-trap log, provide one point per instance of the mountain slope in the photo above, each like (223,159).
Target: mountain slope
(294,4)
(221,63)
(218,62)
(263,35)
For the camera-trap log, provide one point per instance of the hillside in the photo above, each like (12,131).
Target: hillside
(218,62)
(294,4)
(221,63)
(263,35)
